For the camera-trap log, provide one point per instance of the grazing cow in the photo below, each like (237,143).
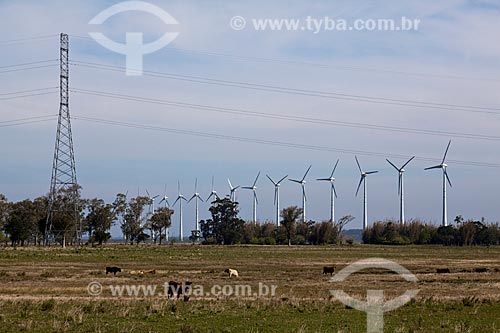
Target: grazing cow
(113,269)
(151,271)
(328,270)
(137,273)
(179,288)
(480,270)
(231,272)
(442,270)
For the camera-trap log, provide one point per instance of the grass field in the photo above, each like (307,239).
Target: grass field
(45,290)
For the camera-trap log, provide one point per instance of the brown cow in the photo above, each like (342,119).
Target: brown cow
(328,270)
(442,270)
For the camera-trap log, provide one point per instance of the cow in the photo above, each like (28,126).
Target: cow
(140,273)
(113,269)
(480,269)
(442,270)
(328,270)
(179,288)
(231,272)
(151,271)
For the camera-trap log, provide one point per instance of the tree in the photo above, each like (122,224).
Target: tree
(341,223)
(21,222)
(132,220)
(4,206)
(160,221)
(289,217)
(225,227)
(99,219)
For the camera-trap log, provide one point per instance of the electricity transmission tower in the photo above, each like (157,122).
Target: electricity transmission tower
(63,182)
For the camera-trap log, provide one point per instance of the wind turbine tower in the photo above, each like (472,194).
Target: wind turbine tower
(443,167)
(277,197)
(180,197)
(167,204)
(255,200)
(333,192)
(401,191)
(302,183)
(196,197)
(365,193)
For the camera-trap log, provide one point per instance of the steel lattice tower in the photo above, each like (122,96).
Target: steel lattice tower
(63,168)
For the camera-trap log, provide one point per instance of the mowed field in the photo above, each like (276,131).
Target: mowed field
(45,290)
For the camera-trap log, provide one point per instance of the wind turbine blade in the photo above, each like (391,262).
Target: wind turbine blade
(194,196)
(395,167)
(371,172)
(149,196)
(195,184)
(216,195)
(359,166)
(126,195)
(212,183)
(168,203)
(161,201)
(434,167)
(272,181)
(179,186)
(282,179)
(334,190)
(328,179)
(359,185)
(256,178)
(247,188)
(200,198)
(156,196)
(211,195)
(446,152)
(447,178)
(230,185)
(176,200)
(334,168)
(165,191)
(295,181)
(305,175)
(408,162)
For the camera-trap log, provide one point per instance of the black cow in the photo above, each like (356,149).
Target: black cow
(178,288)
(328,270)
(113,269)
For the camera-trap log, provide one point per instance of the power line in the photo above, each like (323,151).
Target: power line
(29,63)
(27,91)
(302,92)
(282,116)
(28,95)
(27,68)
(271,142)
(25,121)
(313,65)
(28,39)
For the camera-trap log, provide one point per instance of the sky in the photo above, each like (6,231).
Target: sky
(453,58)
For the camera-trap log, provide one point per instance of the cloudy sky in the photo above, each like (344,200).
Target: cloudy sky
(452,59)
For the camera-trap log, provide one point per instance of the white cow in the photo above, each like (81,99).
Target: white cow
(231,272)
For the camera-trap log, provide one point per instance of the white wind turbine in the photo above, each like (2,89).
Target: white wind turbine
(365,193)
(196,197)
(255,200)
(443,167)
(232,193)
(180,197)
(277,197)
(302,183)
(333,193)
(401,188)
(214,192)
(167,204)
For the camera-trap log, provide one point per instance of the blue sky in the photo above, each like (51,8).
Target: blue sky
(455,39)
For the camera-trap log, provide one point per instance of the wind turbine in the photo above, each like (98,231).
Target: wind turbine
(277,197)
(401,191)
(443,167)
(255,200)
(333,193)
(196,197)
(214,192)
(167,204)
(180,197)
(302,183)
(365,194)
(232,194)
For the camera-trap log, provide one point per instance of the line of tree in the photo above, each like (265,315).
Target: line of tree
(225,227)
(24,222)
(463,233)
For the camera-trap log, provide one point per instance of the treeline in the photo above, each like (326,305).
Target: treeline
(464,233)
(225,227)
